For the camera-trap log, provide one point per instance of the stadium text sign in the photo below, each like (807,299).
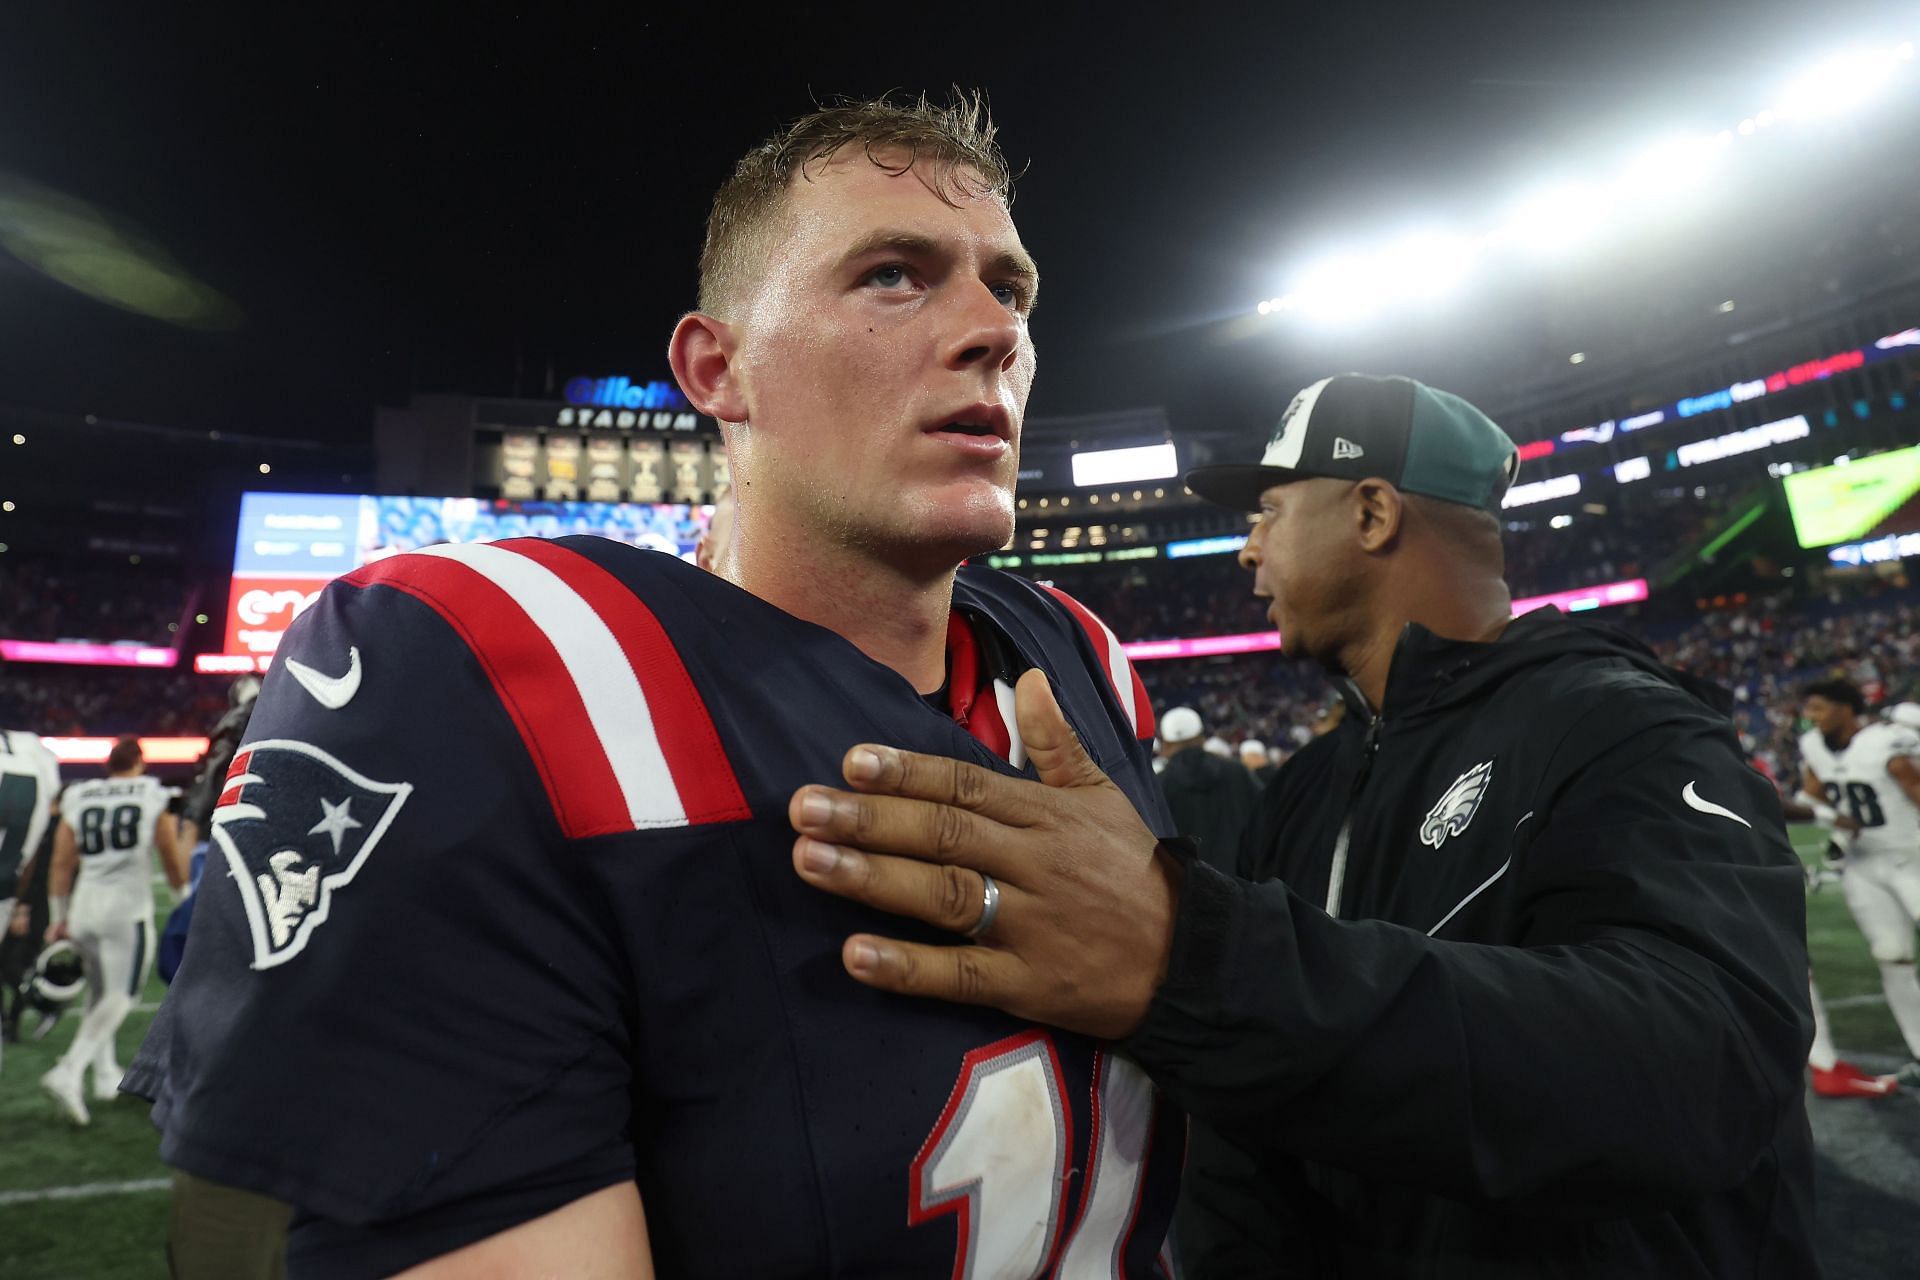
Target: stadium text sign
(1894,344)
(1751,440)
(624,393)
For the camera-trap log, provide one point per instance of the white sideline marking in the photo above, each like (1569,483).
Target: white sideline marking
(86,1191)
(1855,1002)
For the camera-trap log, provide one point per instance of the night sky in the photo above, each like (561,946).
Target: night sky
(396,202)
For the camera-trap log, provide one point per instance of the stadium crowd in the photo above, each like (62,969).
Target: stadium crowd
(1765,651)
(91,598)
(1211,595)
(60,701)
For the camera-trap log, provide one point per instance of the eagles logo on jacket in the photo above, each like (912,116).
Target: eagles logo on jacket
(509,916)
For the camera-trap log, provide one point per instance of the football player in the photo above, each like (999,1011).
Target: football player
(1862,778)
(111,827)
(29,787)
(510,973)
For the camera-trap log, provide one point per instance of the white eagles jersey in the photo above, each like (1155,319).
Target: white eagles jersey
(1857,783)
(113,821)
(29,780)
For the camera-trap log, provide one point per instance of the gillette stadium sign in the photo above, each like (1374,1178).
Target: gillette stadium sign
(624,393)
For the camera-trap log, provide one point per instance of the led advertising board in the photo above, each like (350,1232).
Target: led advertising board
(1848,503)
(289,545)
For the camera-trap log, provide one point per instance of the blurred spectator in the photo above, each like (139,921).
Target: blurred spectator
(91,598)
(1253,756)
(1210,798)
(107,701)
(1762,650)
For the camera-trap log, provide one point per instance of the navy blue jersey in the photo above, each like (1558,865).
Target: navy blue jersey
(507,914)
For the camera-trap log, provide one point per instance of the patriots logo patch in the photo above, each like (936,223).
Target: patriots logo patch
(295,826)
(1454,810)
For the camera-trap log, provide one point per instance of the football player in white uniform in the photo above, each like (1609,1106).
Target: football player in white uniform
(29,784)
(1862,778)
(109,830)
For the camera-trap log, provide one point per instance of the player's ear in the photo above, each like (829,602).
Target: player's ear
(702,354)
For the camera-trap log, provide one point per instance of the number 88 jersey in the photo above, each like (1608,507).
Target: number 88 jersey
(1857,783)
(113,821)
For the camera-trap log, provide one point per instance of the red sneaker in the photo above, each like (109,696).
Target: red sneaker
(1849,1081)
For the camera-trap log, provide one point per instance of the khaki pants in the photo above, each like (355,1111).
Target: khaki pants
(216,1232)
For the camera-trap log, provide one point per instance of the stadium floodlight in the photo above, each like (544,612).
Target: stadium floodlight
(1552,222)
(1426,265)
(1339,289)
(1673,164)
(1838,84)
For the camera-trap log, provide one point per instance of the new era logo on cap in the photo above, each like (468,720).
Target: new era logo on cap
(1344,448)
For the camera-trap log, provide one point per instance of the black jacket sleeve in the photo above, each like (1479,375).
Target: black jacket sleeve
(1636,1046)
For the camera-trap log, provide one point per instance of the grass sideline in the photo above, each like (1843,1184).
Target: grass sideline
(109,1237)
(119,1236)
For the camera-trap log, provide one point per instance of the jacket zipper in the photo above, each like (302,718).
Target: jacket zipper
(1337,879)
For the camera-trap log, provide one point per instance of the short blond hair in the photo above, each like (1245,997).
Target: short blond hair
(957,138)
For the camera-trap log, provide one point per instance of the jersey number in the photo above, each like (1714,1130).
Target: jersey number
(19,801)
(97,832)
(998,1158)
(1862,801)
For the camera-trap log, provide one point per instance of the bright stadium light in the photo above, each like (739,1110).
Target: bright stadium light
(1839,84)
(1673,164)
(1427,265)
(1553,222)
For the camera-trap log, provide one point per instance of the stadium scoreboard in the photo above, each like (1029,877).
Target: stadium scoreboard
(610,440)
(1865,498)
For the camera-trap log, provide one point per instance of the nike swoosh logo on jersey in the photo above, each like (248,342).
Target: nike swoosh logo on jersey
(331,692)
(1694,801)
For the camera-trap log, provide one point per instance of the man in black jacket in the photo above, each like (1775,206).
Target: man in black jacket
(1211,799)
(1525,994)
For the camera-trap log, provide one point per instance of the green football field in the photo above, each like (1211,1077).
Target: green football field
(80,1204)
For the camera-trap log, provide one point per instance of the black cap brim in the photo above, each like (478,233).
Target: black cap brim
(1238,486)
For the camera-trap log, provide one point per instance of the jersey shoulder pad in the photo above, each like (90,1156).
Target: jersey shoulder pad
(1898,739)
(578,657)
(1128,690)
(1813,747)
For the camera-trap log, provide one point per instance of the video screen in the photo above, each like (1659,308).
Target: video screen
(1861,499)
(289,545)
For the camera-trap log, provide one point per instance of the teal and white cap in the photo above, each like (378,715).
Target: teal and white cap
(1355,426)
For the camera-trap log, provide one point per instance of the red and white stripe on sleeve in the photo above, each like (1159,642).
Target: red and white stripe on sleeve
(1125,680)
(619,734)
